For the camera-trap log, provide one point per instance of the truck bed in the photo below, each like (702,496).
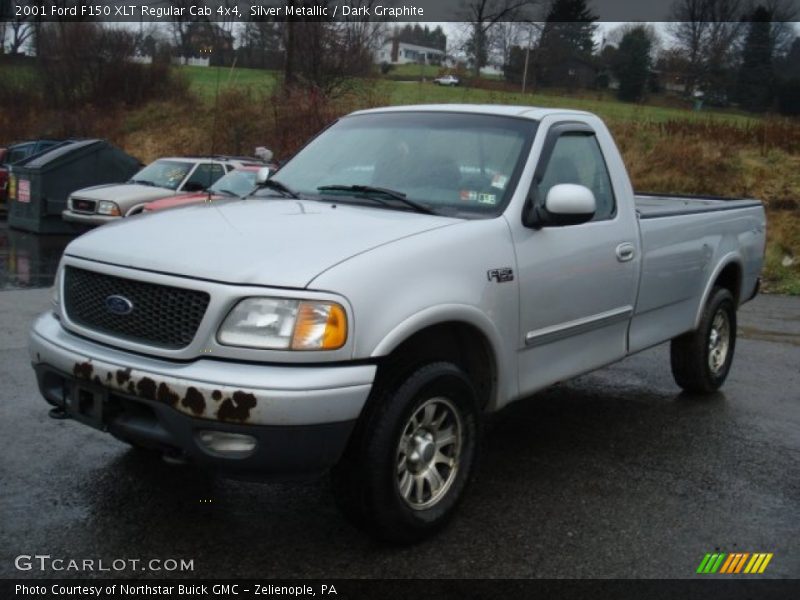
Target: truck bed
(652,206)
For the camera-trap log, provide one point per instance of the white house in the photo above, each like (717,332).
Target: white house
(399,53)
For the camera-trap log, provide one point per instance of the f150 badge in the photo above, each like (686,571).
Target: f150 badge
(500,275)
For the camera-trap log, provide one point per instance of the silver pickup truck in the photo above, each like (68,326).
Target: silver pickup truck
(408,271)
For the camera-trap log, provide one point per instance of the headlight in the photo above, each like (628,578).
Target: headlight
(56,297)
(283,324)
(106,207)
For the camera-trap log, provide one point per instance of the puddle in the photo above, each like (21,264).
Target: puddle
(28,260)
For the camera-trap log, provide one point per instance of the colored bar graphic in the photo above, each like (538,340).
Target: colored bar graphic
(701,568)
(749,567)
(727,564)
(718,563)
(734,563)
(741,562)
(765,563)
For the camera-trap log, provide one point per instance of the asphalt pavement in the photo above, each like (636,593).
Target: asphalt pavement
(613,474)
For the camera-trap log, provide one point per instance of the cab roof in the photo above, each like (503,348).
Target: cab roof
(527,112)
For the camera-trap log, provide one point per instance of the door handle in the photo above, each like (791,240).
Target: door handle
(625,252)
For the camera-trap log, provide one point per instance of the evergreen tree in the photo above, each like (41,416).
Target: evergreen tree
(756,76)
(570,23)
(631,64)
(568,34)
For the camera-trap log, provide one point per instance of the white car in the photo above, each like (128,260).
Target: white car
(447,80)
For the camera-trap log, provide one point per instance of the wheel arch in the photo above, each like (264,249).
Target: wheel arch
(135,209)
(462,334)
(728,274)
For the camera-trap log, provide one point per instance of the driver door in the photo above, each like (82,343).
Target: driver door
(577,282)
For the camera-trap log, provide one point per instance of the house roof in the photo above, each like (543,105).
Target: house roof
(408,46)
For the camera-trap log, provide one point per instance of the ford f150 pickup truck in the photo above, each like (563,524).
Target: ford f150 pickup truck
(408,271)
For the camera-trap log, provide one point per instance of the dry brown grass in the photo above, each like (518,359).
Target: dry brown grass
(759,160)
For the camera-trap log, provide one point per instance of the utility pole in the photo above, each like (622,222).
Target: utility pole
(527,60)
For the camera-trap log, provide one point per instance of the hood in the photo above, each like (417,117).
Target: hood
(282,243)
(124,194)
(179,200)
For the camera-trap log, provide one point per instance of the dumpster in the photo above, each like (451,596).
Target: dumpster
(39,185)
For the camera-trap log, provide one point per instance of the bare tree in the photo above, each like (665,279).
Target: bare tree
(182,27)
(17,32)
(508,34)
(324,55)
(483,16)
(706,31)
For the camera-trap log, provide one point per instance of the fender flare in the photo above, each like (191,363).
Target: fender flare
(461,313)
(727,260)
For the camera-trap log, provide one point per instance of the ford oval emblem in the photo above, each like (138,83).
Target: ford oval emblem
(119,305)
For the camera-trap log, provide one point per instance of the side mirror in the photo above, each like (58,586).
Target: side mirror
(262,175)
(263,153)
(566,204)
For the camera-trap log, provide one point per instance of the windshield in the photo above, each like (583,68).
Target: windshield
(164,173)
(453,163)
(238,182)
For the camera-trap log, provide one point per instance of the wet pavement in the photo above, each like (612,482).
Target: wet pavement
(28,260)
(614,474)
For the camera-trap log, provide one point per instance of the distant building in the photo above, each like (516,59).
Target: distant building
(396,52)
(492,70)
(206,44)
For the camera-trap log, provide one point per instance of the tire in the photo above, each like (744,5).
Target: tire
(701,359)
(403,473)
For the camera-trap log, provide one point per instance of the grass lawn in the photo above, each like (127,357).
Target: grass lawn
(204,80)
(412,70)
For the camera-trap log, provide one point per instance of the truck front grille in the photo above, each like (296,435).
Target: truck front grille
(147,313)
(80,205)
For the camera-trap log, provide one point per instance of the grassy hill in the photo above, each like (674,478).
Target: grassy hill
(667,147)
(206,81)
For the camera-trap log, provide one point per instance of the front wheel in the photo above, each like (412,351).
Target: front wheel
(701,359)
(412,457)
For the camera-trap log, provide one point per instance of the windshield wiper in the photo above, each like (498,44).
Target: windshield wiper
(279,187)
(368,189)
(143,182)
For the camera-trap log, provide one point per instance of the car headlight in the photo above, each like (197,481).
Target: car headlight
(106,207)
(285,324)
(56,296)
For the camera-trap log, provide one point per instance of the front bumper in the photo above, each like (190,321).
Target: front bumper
(301,416)
(86,218)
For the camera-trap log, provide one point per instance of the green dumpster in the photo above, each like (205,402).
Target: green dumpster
(39,185)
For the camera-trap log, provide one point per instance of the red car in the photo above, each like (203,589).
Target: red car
(236,184)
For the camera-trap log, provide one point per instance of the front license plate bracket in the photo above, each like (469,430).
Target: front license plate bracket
(86,404)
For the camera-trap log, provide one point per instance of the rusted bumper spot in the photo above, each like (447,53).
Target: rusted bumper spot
(237,407)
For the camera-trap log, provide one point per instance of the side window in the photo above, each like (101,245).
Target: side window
(577,158)
(204,175)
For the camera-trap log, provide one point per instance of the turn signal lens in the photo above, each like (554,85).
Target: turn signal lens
(320,326)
